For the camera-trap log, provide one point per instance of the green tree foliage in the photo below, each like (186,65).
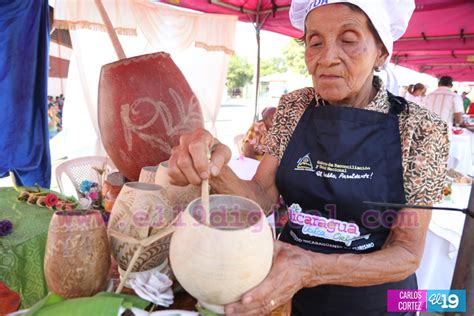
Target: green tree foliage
(240,72)
(273,65)
(293,53)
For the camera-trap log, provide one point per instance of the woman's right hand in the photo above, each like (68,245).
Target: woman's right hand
(189,164)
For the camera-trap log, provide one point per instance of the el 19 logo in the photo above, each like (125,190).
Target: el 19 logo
(446,300)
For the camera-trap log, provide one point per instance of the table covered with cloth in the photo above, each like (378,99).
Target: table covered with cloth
(461,151)
(442,241)
(22,252)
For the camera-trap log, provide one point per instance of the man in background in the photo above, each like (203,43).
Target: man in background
(444,102)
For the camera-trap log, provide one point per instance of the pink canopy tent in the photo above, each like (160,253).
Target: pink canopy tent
(270,15)
(439,40)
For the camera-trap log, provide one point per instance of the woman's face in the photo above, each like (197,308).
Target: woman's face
(341,53)
(53,110)
(420,92)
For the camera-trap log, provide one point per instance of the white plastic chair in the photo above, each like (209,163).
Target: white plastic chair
(81,169)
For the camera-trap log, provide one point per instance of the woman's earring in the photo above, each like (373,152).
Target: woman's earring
(377,68)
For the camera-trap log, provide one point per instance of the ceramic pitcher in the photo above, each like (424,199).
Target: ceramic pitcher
(77,256)
(138,213)
(144,105)
(147,174)
(178,196)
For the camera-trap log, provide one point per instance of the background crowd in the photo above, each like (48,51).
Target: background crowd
(444,101)
(55,114)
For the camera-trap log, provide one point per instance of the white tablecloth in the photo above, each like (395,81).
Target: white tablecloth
(442,242)
(460,153)
(244,167)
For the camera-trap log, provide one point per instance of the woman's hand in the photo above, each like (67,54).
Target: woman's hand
(286,277)
(188,163)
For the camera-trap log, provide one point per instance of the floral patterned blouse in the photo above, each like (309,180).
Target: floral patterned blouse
(423,135)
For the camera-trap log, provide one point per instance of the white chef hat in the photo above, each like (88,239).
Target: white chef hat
(389,17)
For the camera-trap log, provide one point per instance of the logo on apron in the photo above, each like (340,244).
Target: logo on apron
(304,163)
(318,226)
(334,171)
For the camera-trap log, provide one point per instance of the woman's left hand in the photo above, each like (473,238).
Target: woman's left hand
(287,276)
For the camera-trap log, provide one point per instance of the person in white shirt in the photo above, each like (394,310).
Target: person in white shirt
(416,94)
(447,104)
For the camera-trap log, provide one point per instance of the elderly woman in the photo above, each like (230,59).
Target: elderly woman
(345,141)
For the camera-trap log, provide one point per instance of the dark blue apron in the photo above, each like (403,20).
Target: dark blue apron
(337,158)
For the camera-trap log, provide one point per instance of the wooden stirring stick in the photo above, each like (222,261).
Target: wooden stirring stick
(205,196)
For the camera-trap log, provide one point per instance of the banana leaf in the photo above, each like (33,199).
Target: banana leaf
(104,304)
(128,300)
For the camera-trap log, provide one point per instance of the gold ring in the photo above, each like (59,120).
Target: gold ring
(272,302)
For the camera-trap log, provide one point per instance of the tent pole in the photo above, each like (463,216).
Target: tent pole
(257,73)
(257,70)
(463,278)
(59,62)
(433,38)
(427,56)
(110,30)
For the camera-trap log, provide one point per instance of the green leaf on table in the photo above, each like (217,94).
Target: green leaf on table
(128,300)
(50,299)
(104,306)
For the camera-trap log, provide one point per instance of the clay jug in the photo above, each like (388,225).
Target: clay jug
(147,174)
(77,255)
(138,213)
(144,105)
(219,262)
(179,197)
(111,189)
